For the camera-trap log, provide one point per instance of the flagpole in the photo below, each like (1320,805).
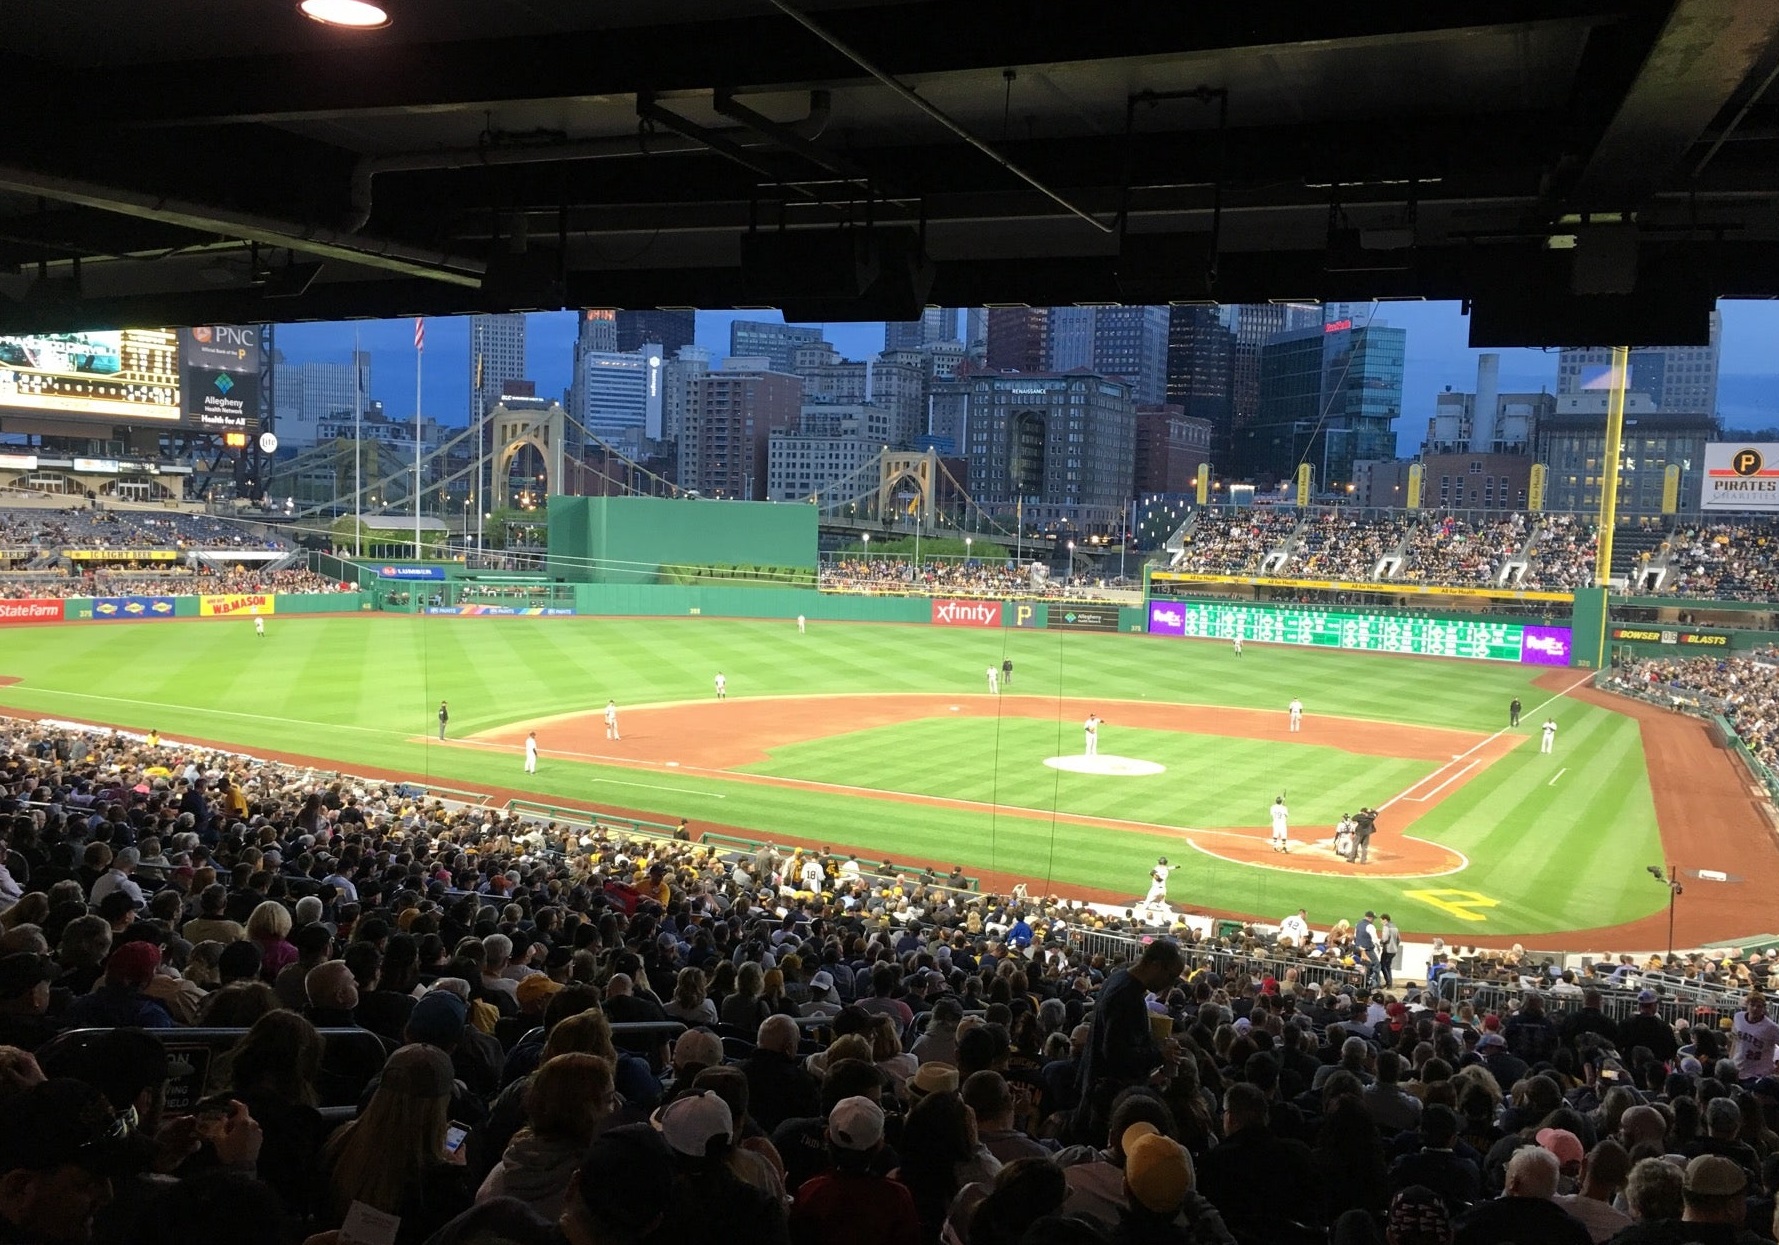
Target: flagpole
(357,452)
(419,351)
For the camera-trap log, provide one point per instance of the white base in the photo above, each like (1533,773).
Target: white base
(1105,765)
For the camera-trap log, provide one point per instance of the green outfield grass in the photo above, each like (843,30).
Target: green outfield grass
(363,691)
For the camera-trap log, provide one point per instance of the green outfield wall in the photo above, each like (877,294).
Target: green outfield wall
(648,540)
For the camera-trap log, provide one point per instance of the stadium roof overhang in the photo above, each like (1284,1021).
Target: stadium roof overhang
(1581,169)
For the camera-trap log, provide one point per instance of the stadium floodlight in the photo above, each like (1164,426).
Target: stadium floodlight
(352,14)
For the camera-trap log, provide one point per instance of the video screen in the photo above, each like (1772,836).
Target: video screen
(206,377)
(126,375)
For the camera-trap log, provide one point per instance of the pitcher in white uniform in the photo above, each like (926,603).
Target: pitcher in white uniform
(1091,729)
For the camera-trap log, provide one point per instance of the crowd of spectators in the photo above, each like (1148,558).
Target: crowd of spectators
(1563,557)
(438,1014)
(1332,545)
(1724,561)
(183,582)
(1458,551)
(23,527)
(1236,542)
(1744,688)
(961,577)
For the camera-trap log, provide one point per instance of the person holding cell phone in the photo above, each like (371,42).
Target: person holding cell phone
(393,1157)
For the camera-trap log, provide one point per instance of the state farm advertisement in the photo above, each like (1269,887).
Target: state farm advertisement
(966,613)
(30,611)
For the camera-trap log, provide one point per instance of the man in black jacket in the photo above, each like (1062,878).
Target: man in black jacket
(1121,1049)
(1436,1164)
(779,1088)
(1649,1030)
(1243,1176)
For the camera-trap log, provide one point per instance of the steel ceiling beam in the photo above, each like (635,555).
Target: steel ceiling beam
(1703,55)
(906,40)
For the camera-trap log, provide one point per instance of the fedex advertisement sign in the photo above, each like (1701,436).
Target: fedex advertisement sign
(966,613)
(1545,646)
(1166,619)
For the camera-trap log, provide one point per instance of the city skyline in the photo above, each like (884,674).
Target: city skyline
(1438,356)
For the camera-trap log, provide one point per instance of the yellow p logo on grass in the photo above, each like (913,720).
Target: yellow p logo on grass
(1461,904)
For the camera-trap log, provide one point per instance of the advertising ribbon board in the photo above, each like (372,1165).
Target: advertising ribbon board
(237,603)
(131,609)
(1083,618)
(30,611)
(411,572)
(501,611)
(948,613)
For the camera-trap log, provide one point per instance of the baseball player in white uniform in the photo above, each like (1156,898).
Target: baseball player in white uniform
(802,624)
(531,753)
(1296,708)
(259,626)
(611,720)
(1158,882)
(994,681)
(1091,729)
(722,686)
(1550,734)
(1238,646)
(1281,821)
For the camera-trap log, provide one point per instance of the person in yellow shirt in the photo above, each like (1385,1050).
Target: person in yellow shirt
(655,886)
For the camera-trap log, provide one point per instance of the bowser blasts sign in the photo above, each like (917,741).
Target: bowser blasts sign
(966,613)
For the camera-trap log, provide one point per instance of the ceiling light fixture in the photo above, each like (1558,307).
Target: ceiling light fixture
(353,14)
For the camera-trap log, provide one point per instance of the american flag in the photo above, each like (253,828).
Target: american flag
(419,333)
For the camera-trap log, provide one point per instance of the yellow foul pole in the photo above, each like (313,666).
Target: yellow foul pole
(1609,464)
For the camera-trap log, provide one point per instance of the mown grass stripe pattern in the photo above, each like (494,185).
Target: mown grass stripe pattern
(364,690)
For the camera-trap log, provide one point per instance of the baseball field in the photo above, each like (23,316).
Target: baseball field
(884,741)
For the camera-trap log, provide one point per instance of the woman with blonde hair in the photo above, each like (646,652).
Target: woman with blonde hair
(568,1101)
(268,927)
(745,1009)
(393,1157)
(886,1049)
(690,1003)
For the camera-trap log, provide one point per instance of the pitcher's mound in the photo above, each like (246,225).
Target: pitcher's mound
(1109,766)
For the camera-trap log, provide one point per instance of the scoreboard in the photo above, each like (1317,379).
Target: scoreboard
(1480,639)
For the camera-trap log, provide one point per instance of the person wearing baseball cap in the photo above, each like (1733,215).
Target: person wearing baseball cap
(1648,1029)
(1714,1190)
(1160,1191)
(61,1149)
(118,1001)
(707,1196)
(850,1201)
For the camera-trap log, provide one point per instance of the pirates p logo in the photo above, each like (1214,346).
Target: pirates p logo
(1747,462)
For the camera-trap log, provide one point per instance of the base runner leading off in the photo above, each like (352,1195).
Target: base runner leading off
(1281,818)
(1158,882)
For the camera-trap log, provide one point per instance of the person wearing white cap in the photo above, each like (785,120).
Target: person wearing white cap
(851,1202)
(698,1126)
(824,999)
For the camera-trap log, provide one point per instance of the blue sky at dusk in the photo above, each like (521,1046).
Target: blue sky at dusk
(1438,356)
